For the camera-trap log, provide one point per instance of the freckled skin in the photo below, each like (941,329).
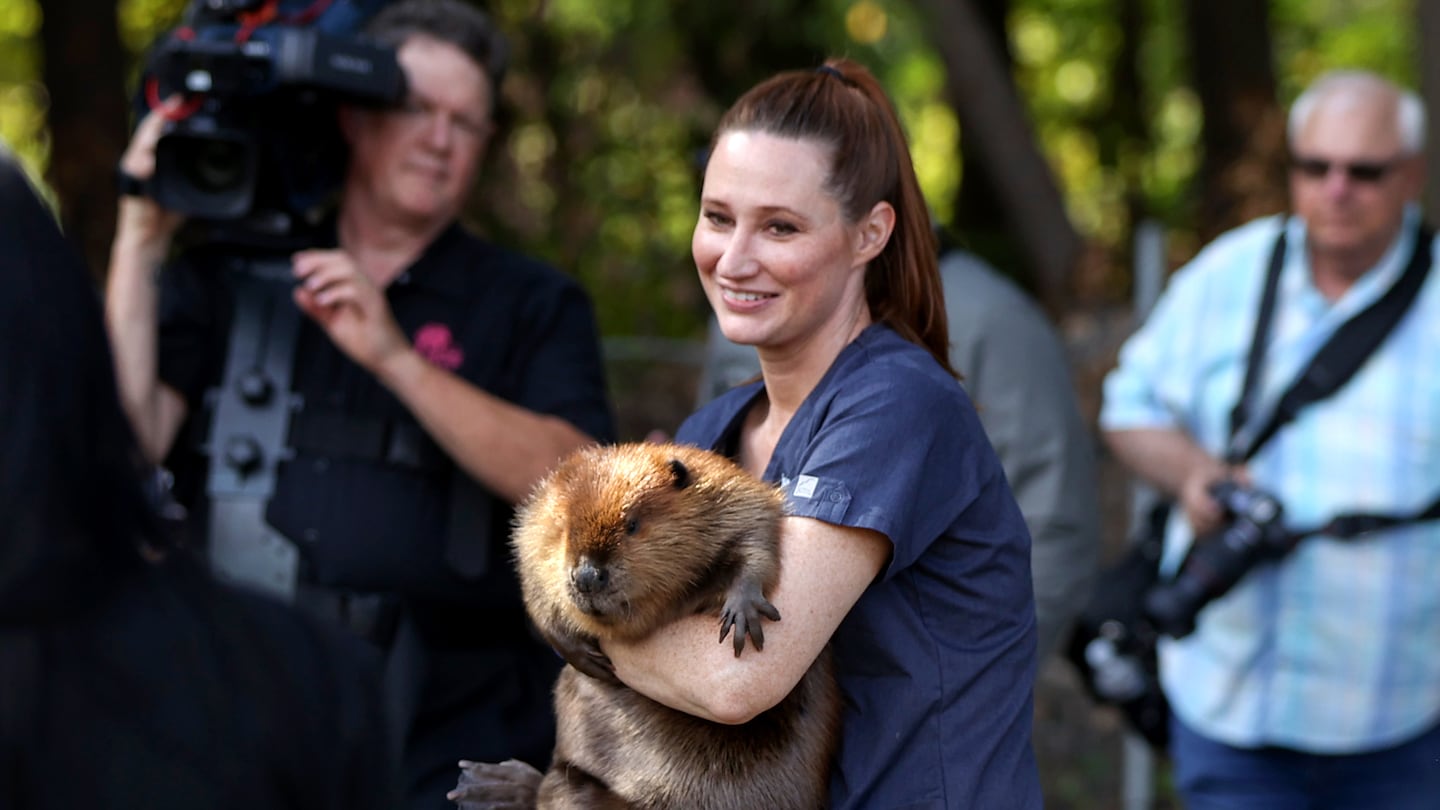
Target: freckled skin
(615,543)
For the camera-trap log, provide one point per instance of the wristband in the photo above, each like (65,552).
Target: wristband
(128,185)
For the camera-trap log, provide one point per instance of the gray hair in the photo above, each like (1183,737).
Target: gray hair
(1409,109)
(453,21)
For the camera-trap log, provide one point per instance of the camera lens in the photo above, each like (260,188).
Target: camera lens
(206,172)
(1211,568)
(213,166)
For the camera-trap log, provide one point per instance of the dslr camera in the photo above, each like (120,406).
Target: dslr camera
(255,149)
(1254,531)
(1113,643)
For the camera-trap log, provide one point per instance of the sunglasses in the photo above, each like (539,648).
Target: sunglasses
(1359,172)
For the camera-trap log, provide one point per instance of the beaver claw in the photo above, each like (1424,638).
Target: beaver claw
(584,654)
(508,785)
(745,604)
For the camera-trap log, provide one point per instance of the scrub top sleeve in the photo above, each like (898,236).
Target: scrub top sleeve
(564,375)
(902,454)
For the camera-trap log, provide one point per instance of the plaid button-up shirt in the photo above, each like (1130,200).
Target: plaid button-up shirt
(1336,647)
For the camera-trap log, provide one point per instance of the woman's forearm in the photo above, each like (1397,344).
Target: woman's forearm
(824,570)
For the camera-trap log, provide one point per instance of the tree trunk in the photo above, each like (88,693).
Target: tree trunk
(1123,129)
(995,126)
(978,221)
(84,67)
(1242,174)
(1429,22)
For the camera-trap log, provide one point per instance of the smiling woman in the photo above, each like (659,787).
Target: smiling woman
(779,262)
(902,541)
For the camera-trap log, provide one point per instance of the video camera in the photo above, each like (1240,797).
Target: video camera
(255,149)
(1113,645)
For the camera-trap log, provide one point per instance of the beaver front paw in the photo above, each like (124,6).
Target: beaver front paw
(745,604)
(508,785)
(584,654)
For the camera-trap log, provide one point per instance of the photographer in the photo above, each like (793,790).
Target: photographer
(487,360)
(1315,682)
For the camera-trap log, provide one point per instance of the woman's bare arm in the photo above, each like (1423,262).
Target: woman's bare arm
(824,570)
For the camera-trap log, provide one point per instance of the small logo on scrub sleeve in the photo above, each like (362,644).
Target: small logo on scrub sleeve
(805,486)
(434,342)
(826,499)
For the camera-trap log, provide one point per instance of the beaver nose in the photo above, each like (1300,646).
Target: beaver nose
(588,578)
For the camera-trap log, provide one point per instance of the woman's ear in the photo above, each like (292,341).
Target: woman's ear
(874,230)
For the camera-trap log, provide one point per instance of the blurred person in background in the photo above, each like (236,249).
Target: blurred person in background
(1315,681)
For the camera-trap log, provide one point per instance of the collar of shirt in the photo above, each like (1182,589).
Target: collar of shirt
(1297,285)
(433,272)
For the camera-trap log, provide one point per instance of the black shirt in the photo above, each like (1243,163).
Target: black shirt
(510,325)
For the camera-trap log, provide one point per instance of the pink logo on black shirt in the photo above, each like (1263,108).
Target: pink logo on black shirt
(434,342)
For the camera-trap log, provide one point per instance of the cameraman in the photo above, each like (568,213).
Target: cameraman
(1315,682)
(415,327)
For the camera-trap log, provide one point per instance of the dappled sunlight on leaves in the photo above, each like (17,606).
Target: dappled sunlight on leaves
(141,21)
(866,22)
(609,105)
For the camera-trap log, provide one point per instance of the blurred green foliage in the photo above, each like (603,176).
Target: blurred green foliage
(22,97)
(610,105)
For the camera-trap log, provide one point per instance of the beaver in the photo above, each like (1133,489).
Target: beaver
(616,542)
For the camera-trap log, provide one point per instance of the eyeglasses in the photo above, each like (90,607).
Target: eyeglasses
(420,113)
(1359,172)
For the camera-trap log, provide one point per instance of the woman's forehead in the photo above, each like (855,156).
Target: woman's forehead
(768,169)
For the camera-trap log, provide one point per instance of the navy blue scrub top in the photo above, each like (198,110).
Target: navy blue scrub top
(937,658)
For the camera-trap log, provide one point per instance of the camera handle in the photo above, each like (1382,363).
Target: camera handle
(249,427)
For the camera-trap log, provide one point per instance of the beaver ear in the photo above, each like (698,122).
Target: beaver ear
(681,473)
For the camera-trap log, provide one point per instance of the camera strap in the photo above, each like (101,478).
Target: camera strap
(1336,361)
(1331,367)
(249,423)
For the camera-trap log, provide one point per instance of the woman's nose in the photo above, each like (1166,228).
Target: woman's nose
(737,259)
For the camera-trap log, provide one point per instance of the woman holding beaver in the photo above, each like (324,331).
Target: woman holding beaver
(903,547)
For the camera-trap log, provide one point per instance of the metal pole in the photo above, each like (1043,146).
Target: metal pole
(1138,761)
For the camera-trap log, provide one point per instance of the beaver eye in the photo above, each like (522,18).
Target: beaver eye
(632,525)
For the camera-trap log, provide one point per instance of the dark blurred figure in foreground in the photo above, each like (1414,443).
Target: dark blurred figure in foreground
(127,684)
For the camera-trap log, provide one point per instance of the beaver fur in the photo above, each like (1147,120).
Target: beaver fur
(613,544)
